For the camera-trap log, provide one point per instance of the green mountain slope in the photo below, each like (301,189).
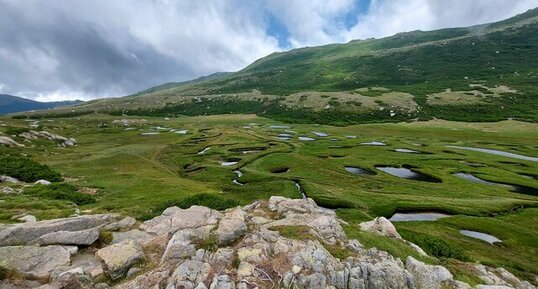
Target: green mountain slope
(480,73)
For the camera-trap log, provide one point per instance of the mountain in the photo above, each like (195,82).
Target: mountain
(10,104)
(479,73)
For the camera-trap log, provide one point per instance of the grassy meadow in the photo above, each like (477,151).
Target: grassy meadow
(141,168)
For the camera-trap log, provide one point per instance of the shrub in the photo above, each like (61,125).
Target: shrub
(60,191)
(435,246)
(105,238)
(3,273)
(210,244)
(16,130)
(27,170)
(212,201)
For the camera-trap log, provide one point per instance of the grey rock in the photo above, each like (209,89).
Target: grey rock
(24,233)
(222,282)
(74,278)
(79,238)
(194,272)
(174,219)
(28,219)
(42,182)
(118,258)
(33,261)
(8,179)
(124,223)
(380,226)
(231,227)
(9,142)
(426,276)
(134,234)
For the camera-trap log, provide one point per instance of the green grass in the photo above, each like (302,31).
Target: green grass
(60,191)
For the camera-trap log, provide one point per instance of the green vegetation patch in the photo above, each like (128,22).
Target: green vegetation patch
(27,170)
(435,246)
(212,201)
(60,191)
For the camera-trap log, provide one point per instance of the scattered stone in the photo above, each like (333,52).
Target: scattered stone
(124,223)
(42,182)
(119,258)
(28,219)
(231,227)
(8,179)
(380,226)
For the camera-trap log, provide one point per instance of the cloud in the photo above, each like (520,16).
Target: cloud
(388,17)
(54,50)
(87,49)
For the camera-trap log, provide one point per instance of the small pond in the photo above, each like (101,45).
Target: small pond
(496,152)
(359,171)
(351,136)
(280,127)
(374,143)
(482,236)
(280,170)
(408,174)
(410,217)
(408,151)
(513,187)
(230,162)
(320,134)
(305,138)
(150,133)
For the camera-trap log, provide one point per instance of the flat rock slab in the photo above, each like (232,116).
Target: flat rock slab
(25,233)
(36,262)
(79,238)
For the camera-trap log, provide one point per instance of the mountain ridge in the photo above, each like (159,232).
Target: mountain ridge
(11,104)
(477,73)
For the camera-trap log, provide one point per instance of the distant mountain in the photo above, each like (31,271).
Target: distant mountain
(10,104)
(486,72)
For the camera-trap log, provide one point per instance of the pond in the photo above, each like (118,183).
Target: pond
(150,133)
(305,138)
(374,143)
(513,187)
(408,174)
(482,236)
(410,217)
(496,152)
(359,171)
(320,134)
(406,151)
(280,127)
(230,162)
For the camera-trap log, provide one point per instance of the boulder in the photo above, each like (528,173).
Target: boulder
(124,223)
(79,238)
(33,261)
(222,282)
(380,226)
(28,219)
(42,182)
(231,227)
(73,278)
(8,179)
(9,142)
(426,276)
(119,258)
(174,219)
(190,273)
(26,232)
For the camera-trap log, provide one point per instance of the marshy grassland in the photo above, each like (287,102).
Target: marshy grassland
(140,168)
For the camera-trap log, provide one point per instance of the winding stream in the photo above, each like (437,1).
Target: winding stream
(496,152)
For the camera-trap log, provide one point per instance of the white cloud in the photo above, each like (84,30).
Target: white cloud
(386,18)
(310,22)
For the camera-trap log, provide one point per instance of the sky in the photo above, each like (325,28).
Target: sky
(87,49)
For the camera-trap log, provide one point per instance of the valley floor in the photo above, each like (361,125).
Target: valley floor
(138,166)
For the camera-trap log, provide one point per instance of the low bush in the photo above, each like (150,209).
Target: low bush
(60,191)
(212,201)
(27,170)
(435,246)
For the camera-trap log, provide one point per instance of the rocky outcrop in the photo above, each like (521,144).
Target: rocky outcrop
(60,140)
(279,243)
(9,142)
(79,238)
(380,226)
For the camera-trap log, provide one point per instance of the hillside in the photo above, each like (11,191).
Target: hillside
(479,73)
(10,104)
